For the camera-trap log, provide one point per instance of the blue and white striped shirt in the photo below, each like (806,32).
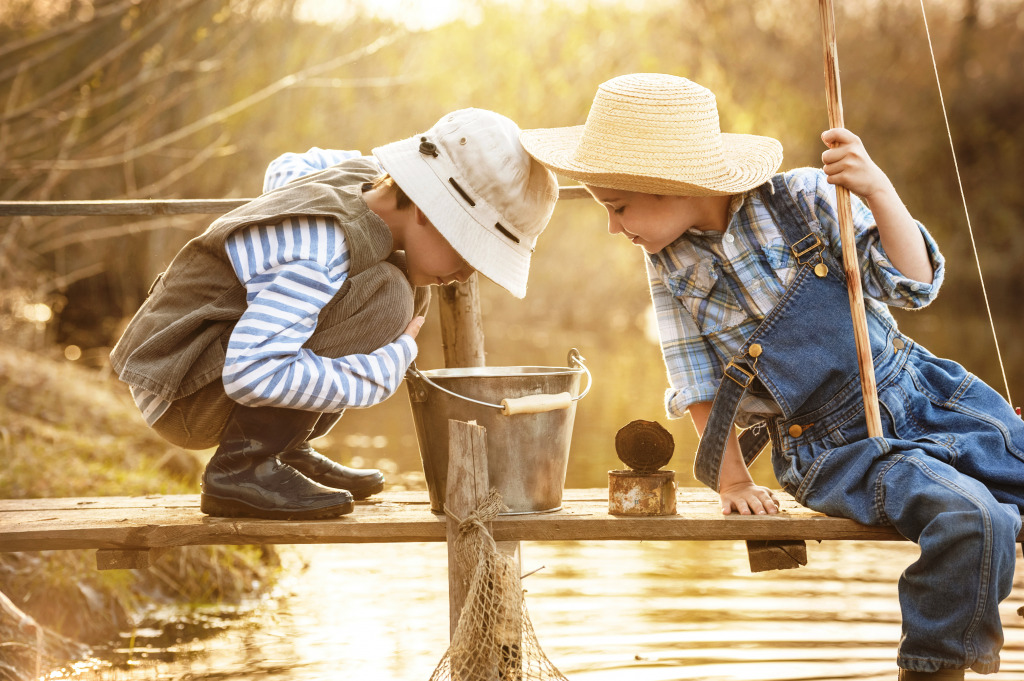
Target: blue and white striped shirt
(290,271)
(712,289)
(289,166)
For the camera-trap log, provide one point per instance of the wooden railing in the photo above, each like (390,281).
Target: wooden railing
(161,206)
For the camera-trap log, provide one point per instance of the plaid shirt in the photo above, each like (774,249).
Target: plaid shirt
(712,289)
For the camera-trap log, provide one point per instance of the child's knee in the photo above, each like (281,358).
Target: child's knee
(1006,522)
(196,421)
(924,496)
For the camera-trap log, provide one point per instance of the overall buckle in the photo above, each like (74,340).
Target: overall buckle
(749,375)
(800,250)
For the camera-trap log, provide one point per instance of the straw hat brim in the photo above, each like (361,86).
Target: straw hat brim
(748,162)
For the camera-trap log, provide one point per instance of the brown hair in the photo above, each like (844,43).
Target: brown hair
(402,201)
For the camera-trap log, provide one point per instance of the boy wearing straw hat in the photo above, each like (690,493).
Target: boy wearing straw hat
(745,275)
(300,304)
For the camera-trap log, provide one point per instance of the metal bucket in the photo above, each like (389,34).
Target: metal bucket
(528,413)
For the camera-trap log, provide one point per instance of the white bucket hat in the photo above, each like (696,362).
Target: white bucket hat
(656,134)
(479,188)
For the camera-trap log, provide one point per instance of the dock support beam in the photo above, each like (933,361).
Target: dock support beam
(776,554)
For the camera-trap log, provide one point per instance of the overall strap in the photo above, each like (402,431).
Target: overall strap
(802,234)
(708,463)
(809,251)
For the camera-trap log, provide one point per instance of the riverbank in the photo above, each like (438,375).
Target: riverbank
(67,430)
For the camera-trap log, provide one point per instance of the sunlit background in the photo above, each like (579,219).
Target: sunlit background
(193,102)
(124,99)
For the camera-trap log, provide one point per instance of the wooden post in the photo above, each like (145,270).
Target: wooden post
(462,331)
(462,339)
(467,487)
(846,234)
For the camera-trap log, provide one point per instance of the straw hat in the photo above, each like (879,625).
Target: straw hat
(479,188)
(657,134)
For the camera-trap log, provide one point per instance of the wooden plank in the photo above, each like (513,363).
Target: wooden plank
(163,207)
(166,521)
(121,207)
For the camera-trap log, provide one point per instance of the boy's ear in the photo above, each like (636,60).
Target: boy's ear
(421,218)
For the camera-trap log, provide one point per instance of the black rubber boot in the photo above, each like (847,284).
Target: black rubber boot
(361,483)
(245,479)
(941,675)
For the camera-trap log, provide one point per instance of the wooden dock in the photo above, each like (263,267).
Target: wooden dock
(125,530)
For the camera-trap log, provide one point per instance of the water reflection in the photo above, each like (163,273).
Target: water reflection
(643,611)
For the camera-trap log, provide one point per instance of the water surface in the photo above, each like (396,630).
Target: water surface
(603,611)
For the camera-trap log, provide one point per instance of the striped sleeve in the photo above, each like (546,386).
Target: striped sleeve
(287,167)
(151,405)
(290,271)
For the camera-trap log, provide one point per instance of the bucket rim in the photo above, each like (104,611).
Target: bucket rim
(500,371)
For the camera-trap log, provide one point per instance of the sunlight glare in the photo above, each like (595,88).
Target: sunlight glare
(415,15)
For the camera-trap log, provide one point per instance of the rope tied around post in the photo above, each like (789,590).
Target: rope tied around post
(474,536)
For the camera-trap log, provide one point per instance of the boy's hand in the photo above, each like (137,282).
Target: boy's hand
(414,326)
(847,163)
(748,499)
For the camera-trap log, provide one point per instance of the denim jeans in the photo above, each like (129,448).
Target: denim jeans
(947,472)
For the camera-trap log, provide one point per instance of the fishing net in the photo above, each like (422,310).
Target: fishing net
(494,639)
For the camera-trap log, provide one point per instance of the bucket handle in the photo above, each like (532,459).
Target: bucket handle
(531,404)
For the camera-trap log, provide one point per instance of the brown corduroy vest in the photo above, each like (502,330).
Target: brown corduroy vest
(177,340)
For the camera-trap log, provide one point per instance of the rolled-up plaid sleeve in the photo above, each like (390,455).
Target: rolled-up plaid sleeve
(881,280)
(692,366)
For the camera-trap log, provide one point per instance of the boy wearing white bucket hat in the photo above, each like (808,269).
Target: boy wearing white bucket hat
(307,301)
(744,266)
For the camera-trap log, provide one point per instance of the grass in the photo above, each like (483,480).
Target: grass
(67,430)
(72,431)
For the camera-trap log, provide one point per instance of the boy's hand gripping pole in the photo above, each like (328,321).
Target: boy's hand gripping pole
(850,261)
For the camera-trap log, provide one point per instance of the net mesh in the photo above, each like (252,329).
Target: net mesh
(494,639)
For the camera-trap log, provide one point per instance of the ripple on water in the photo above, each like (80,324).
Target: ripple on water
(603,611)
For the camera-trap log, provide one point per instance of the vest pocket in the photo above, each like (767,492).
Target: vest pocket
(706,294)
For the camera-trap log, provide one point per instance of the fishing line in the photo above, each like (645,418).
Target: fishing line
(963,198)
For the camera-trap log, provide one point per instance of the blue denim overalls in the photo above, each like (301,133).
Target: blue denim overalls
(948,473)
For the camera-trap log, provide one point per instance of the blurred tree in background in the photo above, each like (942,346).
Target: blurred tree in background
(111,99)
